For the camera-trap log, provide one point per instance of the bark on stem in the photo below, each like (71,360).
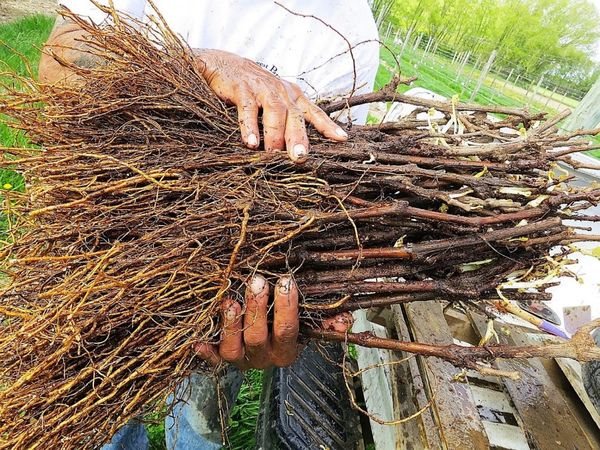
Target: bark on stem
(581,347)
(375,301)
(426,248)
(389,94)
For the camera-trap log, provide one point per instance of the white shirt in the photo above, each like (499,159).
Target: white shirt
(302,50)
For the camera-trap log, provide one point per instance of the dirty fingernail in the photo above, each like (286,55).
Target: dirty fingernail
(257,284)
(341,132)
(252,140)
(231,315)
(298,152)
(284,285)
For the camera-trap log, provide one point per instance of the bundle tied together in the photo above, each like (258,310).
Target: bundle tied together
(143,210)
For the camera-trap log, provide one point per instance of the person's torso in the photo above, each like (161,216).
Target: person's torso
(304,41)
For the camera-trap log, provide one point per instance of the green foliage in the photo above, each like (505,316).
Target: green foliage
(352,351)
(156,436)
(156,430)
(244,414)
(555,37)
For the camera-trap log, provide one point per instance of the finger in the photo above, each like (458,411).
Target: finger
(231,348)
(341,323)
(296,140)
(284,347)
(247,109)
(273,118)
(322,122)
(209,353)
(256,331)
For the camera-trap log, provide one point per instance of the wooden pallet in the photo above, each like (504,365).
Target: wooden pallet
(468,410)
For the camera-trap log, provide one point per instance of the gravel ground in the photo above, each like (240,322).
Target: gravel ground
(14,9)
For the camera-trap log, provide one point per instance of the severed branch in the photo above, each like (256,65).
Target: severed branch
(580,347)
(387,91)
(354,303)
(388,94)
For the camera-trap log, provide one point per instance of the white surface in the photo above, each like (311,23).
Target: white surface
(505,436)
(377,389)
(399,110)
(298,49)
(571,292)
(589,160)
(496,400)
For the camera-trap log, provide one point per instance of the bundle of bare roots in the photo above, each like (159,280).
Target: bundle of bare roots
(143,210)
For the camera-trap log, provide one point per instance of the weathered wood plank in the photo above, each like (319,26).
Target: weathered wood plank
(505,436)
(545,415)
(457,415)
(409,396)
(572,371)
(376,385)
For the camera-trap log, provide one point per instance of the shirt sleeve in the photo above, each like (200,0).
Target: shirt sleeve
(85,8)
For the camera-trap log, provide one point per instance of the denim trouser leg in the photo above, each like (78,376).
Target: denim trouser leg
(194,423)
(132,436)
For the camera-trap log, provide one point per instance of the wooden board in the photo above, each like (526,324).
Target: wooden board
(456,413)
(376,384)
(545,415)
(572,371)
(409,396)
(499,417)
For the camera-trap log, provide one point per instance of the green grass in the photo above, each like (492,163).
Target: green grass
(595,153)
(437,74)
(244,414)
(24,38)
(570,102)
(20,44)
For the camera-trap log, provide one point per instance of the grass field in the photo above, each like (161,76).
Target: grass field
(19,42)
(570,102)
(437,74)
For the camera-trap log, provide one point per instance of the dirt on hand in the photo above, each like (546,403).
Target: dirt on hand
(15,9)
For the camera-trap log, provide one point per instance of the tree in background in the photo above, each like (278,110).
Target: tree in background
(381,9)
(554,38)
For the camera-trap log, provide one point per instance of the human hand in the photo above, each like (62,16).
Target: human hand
(246,340)
(285,108)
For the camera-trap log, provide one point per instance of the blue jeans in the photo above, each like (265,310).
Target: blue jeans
(194,423)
